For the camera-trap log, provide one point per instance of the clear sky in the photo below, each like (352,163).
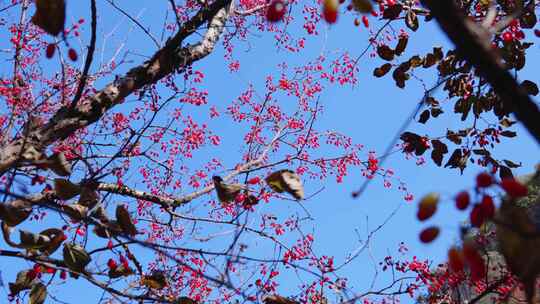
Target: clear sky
(371,112)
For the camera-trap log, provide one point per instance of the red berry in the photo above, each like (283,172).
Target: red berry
(254,181)
(110,244)
(49,52)
(462,200)
(72,54)
(356,22)
(112,264)
(513,188)
(427,206)
(477,216)
(276,11)
(124,261)
(514,23)
(537,33)
(429,234)
(365,21)
(484,180)
(520,35)
(488,207)
(240,198)
(330,10)
(507,37)
(63,275)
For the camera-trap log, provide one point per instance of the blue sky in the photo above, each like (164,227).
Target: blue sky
(371,112)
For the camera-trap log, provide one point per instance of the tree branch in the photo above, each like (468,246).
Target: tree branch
(473,42)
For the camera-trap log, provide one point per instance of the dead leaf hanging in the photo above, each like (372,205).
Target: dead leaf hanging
(362,6)
(120,271)
(108,230)
(23,282)
(76,212)
(185,300)
(50,16)
(156,280)
(31,240)
(59,164)
(286,181)
(226,192)
(124,220)
(15,212)
(75,257)
(518,228)
(65,189)
(89,197)
(38,294)
(277,299)
(56,237)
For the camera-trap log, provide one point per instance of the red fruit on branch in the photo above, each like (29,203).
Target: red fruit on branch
(488,207)
(477,216)
(513,188)
(276,11)
(112,264)
(463,200)
(484,180)
(49,51)
(429,234)
(427,206)
(254,180)
(72,54)
(330,10)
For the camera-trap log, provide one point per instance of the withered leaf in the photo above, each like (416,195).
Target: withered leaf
(156,280)
(120,271)
(439,149)
(505,172)
(75,257)
(401,45)
(424,117)
(22,282)
(385,52)
(414,143)
(456,160)
(453,137)
(286,181)
(362,6)
(530,87)
(511,164)
(89,197)
(429,60)
(277,299)
(435,111)
(59,164)
(411,20)
(50,16)
(416,61)
(508,133)
(15,212)
(76,212)
(382,70)
(65,189)
(392,12)
(38,294)
(185,300)
(124,220)
(528,19)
